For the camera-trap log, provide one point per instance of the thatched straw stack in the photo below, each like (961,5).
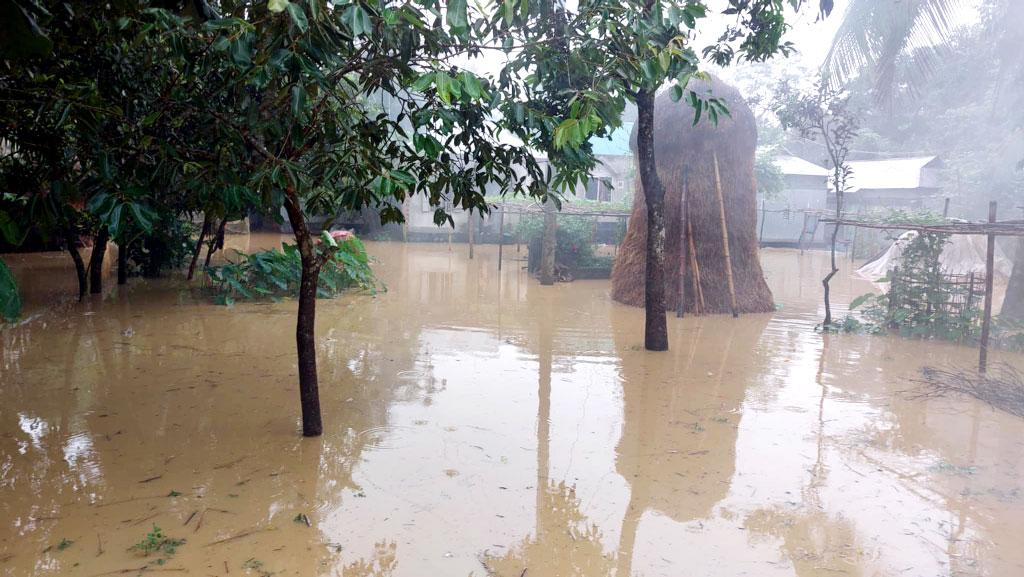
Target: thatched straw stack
(681,146)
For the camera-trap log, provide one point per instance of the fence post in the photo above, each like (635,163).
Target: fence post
(986,321)
(967,306)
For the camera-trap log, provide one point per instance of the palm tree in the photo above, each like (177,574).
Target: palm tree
(876,33)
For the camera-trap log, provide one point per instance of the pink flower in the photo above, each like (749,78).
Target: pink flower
(342,235)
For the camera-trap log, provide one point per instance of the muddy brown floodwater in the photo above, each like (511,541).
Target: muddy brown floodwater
(480,424)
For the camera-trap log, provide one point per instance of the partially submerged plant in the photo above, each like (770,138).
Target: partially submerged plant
(156,542)
(923,301)
(272,274)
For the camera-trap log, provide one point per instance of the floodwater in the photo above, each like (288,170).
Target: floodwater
(480,424)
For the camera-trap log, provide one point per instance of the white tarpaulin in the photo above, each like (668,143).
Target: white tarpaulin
(963,254)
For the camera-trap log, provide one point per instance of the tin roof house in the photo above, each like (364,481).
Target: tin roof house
(893,183)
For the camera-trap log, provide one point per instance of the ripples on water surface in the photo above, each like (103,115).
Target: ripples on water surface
(477,423)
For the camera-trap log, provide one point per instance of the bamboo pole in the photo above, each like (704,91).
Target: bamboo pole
(684,252)
(698,289)
(501,235)
(764,216)
(725,239)
(986,324)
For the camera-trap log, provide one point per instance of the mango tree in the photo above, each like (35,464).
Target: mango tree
(345,106)
(616,52)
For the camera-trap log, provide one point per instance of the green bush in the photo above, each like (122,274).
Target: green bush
(167,246)
(573,249)
(272,274)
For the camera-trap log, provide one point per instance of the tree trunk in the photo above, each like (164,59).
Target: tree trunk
(71,239)
(199,246)
(655,325)
(1013,304)
(99,250)
(217,242)
(122,263)
(305,327)
(549,243)
(828,278)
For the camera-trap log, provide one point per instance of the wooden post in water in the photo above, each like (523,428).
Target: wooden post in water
(684,251)
(470,230)
(548,245)
(501,234)
(986,321)
(725,239)
(945,209)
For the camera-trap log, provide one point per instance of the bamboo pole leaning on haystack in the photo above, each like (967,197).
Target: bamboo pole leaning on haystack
(725,238)
(698,288)
(684,252)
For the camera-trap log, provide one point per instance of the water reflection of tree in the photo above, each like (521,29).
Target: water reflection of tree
(566,543)
(678,445)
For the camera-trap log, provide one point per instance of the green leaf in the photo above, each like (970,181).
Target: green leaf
(277,5)
(564,132)
(444,84)
(471,84)
(298,16)
(357,20)
(298,99)
(142,215)
(456,15)
(677,93)
(423,82)
(859,301)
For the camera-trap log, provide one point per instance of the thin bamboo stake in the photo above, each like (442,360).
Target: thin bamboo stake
(698,289)
(684,252)
(725,239)
(986,324)
(501,234)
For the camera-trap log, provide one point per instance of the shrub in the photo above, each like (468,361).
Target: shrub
(272,274)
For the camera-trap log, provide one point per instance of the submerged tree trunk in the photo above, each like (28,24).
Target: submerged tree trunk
(122,263)
(825,282)
(99,250)
(1013,304)
(655,327)
(199,246)
(305,327)
(71,239)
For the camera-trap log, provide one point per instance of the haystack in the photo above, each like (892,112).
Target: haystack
(681,148)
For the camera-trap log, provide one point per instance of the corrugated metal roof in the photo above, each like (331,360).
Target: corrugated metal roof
(615,145)
(799,167)
(898,173)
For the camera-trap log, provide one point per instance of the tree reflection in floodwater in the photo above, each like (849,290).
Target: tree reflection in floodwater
(565,544)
